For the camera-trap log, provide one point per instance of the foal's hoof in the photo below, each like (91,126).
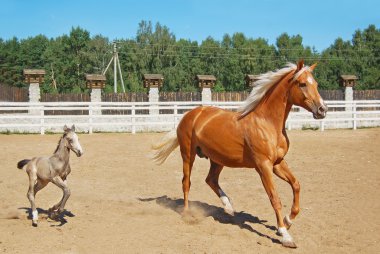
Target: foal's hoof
(287,221)
(53,215)
(289,244)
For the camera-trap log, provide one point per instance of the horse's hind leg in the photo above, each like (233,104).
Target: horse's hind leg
(31,196)
(282,171)
(188,158)
(213,181)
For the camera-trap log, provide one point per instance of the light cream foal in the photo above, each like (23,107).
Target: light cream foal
(55,169)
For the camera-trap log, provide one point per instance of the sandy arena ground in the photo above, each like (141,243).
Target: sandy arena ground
(122,203)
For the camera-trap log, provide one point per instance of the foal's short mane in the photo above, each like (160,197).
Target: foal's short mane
(59,142)
(265,82)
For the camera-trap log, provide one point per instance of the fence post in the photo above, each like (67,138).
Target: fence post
(96,97)
(34,77)
(42,120)
(354,116)
(288,122)
(322,125)
(133,113)
(206,82)
(154,97)
(90,113)
(206,96)
(175,115)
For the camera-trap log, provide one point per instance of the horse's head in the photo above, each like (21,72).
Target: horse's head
(304,91)
(72,140)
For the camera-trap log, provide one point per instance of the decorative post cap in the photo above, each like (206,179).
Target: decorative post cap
(348,80)
(153,80)
(34,76)
(250,80)
(95,81)
(206,81)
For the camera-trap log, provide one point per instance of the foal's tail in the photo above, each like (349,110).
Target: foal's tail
(164,148)
(22,163)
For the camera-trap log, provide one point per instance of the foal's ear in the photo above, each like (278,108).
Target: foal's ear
(311,68)
(300,65)
(73,128)
(65,129)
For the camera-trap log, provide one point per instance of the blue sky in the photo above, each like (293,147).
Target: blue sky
(319,22)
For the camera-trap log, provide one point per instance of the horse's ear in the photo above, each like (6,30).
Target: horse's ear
(73,127)
(311,68)
(300,65)
(65,129)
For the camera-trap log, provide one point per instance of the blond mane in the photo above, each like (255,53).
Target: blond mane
(265,82)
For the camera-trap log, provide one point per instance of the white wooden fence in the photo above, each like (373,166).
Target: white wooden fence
(135,117)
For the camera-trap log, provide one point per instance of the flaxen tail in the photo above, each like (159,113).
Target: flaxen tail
(165,147)
(22,163)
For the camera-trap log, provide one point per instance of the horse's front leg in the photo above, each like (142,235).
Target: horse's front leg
(66,194)
(265,170)
(282,171)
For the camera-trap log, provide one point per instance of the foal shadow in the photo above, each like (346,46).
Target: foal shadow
(60,218)
(240,219)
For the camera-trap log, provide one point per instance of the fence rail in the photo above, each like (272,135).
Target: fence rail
(342,114)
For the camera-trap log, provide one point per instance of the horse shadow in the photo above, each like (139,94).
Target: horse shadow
(240,219)
(61,218)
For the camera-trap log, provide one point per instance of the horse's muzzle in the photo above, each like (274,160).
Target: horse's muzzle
(321,112)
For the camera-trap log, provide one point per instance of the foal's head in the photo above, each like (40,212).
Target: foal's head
(72,140)
(304,91)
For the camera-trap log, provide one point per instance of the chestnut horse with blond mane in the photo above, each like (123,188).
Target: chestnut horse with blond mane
(253,137)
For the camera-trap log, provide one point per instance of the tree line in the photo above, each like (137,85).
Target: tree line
(155,49)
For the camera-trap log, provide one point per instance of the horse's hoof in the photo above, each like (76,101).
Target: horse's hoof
(185,211)
(34,223)
(289,244)
(229,211)
(287,221)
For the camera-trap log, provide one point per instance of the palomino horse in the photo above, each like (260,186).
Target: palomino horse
(55,169)
(253,137)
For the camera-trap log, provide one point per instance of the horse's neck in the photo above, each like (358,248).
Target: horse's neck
(276,106)
(62,152)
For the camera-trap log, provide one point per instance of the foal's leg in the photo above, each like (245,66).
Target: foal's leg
(39,186)
(56,206)
(31,196)
(282,170)
(213,181)
(66,193)
(265,171)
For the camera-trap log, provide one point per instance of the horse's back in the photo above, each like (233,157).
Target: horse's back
(215,133)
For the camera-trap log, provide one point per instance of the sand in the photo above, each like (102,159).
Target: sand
(122,202)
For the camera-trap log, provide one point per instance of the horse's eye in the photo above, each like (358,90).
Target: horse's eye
(302,84)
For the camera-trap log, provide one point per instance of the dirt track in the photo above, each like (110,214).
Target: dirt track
(122,203)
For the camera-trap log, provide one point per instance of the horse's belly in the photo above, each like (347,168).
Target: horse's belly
(226,156)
